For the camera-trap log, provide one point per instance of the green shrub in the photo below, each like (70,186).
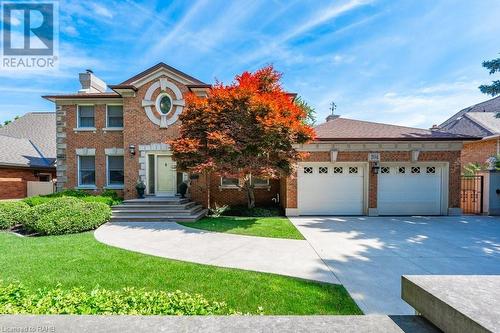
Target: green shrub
(17,299)
(111,194)
(105,200)
(38,200)
(12,213)
(256,211)
(67,215)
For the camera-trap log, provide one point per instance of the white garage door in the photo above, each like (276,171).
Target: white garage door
(330,189)
(410,189)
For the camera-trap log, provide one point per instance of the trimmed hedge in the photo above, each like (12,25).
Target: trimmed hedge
(16,299)
(66,215)
(12,213)
(109,197)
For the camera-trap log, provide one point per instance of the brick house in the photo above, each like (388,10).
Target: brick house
(28,153)
(110,140)
(477,120)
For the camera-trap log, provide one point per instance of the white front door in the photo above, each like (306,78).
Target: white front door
(410,189)
(331,188)
(165,176)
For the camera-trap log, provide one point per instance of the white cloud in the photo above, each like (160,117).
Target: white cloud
(101,10)
(418,107)
(70,30)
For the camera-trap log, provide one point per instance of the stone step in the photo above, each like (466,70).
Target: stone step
(187,205)
(160,218)
(156,201)
(153,212)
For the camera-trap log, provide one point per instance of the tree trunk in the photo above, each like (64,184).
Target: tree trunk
(207,184)
(249,193)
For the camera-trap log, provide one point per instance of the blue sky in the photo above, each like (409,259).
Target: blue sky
(411,63)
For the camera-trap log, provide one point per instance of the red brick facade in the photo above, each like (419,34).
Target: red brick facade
(139,131)
(13,181)
(479,151)
(452,157)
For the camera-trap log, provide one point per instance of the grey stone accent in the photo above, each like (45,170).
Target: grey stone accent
(457,303)
(61,148)
(144,149)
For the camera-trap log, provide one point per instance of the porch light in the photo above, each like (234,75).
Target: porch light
(375,168)
(131,149)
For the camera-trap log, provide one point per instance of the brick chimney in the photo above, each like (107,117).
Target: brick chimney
(91,83)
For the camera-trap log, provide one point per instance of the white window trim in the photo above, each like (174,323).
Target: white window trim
(237,187)
(225,186)
(113,186)
(83,129)
(108,128)
(260,185)
(80,185)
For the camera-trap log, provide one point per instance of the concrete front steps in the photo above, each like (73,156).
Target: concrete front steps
(158,209)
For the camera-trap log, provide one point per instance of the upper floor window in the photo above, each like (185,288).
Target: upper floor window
(114,116)
(86,170)
(86,116)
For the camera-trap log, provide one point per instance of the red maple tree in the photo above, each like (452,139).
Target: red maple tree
(242,130)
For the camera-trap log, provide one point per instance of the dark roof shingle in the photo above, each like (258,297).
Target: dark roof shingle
(341,129)
(38,127)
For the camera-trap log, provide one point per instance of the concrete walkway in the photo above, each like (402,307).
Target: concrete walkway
(370,254)
(251,324)
(170,240)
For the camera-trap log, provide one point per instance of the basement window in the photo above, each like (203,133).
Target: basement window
(229,182)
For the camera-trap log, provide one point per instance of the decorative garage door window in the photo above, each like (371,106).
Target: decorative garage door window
(165,109)
(308,170)
(415,170)
(323,170)
(430,170)
(353,169)
(385,170)
(401,170)
(338,170)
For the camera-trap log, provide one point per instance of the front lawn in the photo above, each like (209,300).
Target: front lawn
(79,260)
(274,227)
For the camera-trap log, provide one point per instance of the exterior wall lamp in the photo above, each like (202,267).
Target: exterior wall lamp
(131,149)
(375,167)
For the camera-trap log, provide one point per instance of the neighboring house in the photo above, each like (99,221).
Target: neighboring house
(113,139)
(28,153)
(478,120)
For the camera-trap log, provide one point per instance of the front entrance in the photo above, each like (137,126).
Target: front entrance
(162,175)
(166,176)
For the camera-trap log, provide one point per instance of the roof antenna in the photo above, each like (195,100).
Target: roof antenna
(332,116)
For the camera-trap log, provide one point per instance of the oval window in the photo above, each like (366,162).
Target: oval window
(165,104)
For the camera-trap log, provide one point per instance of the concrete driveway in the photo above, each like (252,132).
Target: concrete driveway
(369,254)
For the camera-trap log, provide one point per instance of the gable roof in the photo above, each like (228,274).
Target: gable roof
(157,67)
(37,127)
(342,129)
(22,152)
(476,119)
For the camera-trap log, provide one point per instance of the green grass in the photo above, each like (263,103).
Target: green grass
(274,227)
(79,260)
